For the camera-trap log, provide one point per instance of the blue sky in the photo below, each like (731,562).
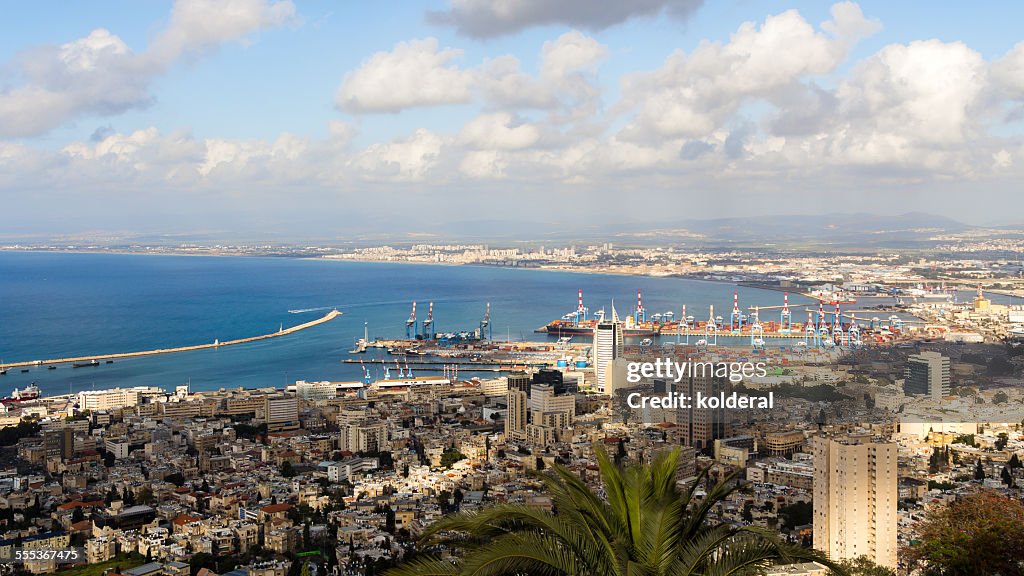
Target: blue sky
(202,115)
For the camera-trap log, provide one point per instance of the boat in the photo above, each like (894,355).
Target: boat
(30,392)
(564,327)
(110,361)
(85,364)
(24,370)
(51,367)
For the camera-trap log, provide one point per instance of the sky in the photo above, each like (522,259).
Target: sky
(326,119)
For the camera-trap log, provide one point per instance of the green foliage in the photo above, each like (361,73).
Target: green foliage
(797,514)
(287,470)
(450,457)
(982,533)
(644,525)
(10,435)
(967,439)
(864,566)
(201,560)
(1002,440)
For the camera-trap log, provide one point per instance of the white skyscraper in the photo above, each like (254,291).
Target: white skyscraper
(855,498)
(607,347)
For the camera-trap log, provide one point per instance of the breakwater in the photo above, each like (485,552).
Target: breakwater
(216,344)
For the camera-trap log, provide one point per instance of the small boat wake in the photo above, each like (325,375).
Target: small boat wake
(370,305)
(317,309)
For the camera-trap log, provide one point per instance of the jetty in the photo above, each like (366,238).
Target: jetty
(215,344)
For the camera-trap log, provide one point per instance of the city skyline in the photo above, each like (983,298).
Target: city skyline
(308,119)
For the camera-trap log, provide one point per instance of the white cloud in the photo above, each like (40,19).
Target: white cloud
(99,74)
(1008,73)
(418,73)
(483,164)
(910,103)
(414,73)
(484,18)
(498,131)
(199,25)
(410,159)
(694,94)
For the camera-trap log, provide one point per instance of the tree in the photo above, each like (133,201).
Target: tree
(450,457)
(979,471)
(1007,478)
(287,470)
(643,525)
(982,533)
(201,560)
(797,514)
(1015,462)
(1001,440)
(864,566)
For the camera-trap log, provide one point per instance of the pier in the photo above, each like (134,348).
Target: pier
(216,344)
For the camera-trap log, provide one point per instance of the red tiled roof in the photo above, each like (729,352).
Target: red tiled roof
(80,504)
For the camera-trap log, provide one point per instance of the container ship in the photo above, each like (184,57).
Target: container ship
(577,322)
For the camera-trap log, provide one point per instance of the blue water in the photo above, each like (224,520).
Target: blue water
(56,305)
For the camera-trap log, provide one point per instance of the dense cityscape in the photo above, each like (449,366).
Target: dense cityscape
(897,417)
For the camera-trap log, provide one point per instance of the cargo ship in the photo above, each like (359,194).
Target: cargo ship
(30,392)
(577,322)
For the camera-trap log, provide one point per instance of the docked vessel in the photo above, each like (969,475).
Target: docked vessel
(30,392)
(577,322)
(85,364)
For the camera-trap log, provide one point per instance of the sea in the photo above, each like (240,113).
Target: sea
(56,305)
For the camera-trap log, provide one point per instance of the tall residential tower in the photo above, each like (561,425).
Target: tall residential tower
(855,498)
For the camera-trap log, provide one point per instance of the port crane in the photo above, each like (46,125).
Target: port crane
(410,324)
(428,323)
(485,324)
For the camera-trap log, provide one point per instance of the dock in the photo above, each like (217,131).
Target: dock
(215,344)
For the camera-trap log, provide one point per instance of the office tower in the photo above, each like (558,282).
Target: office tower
(555,378)
(519,380)
(59,443)
(607,347)
(702,426)
(927,373)
(515,420)
(281,411)
(544,400)
(855,497)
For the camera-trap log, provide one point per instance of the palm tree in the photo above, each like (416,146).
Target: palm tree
(643,526)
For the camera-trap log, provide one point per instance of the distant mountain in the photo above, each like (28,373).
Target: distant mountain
(839,229)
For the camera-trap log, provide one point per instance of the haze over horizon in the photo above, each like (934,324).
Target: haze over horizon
(313,120)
